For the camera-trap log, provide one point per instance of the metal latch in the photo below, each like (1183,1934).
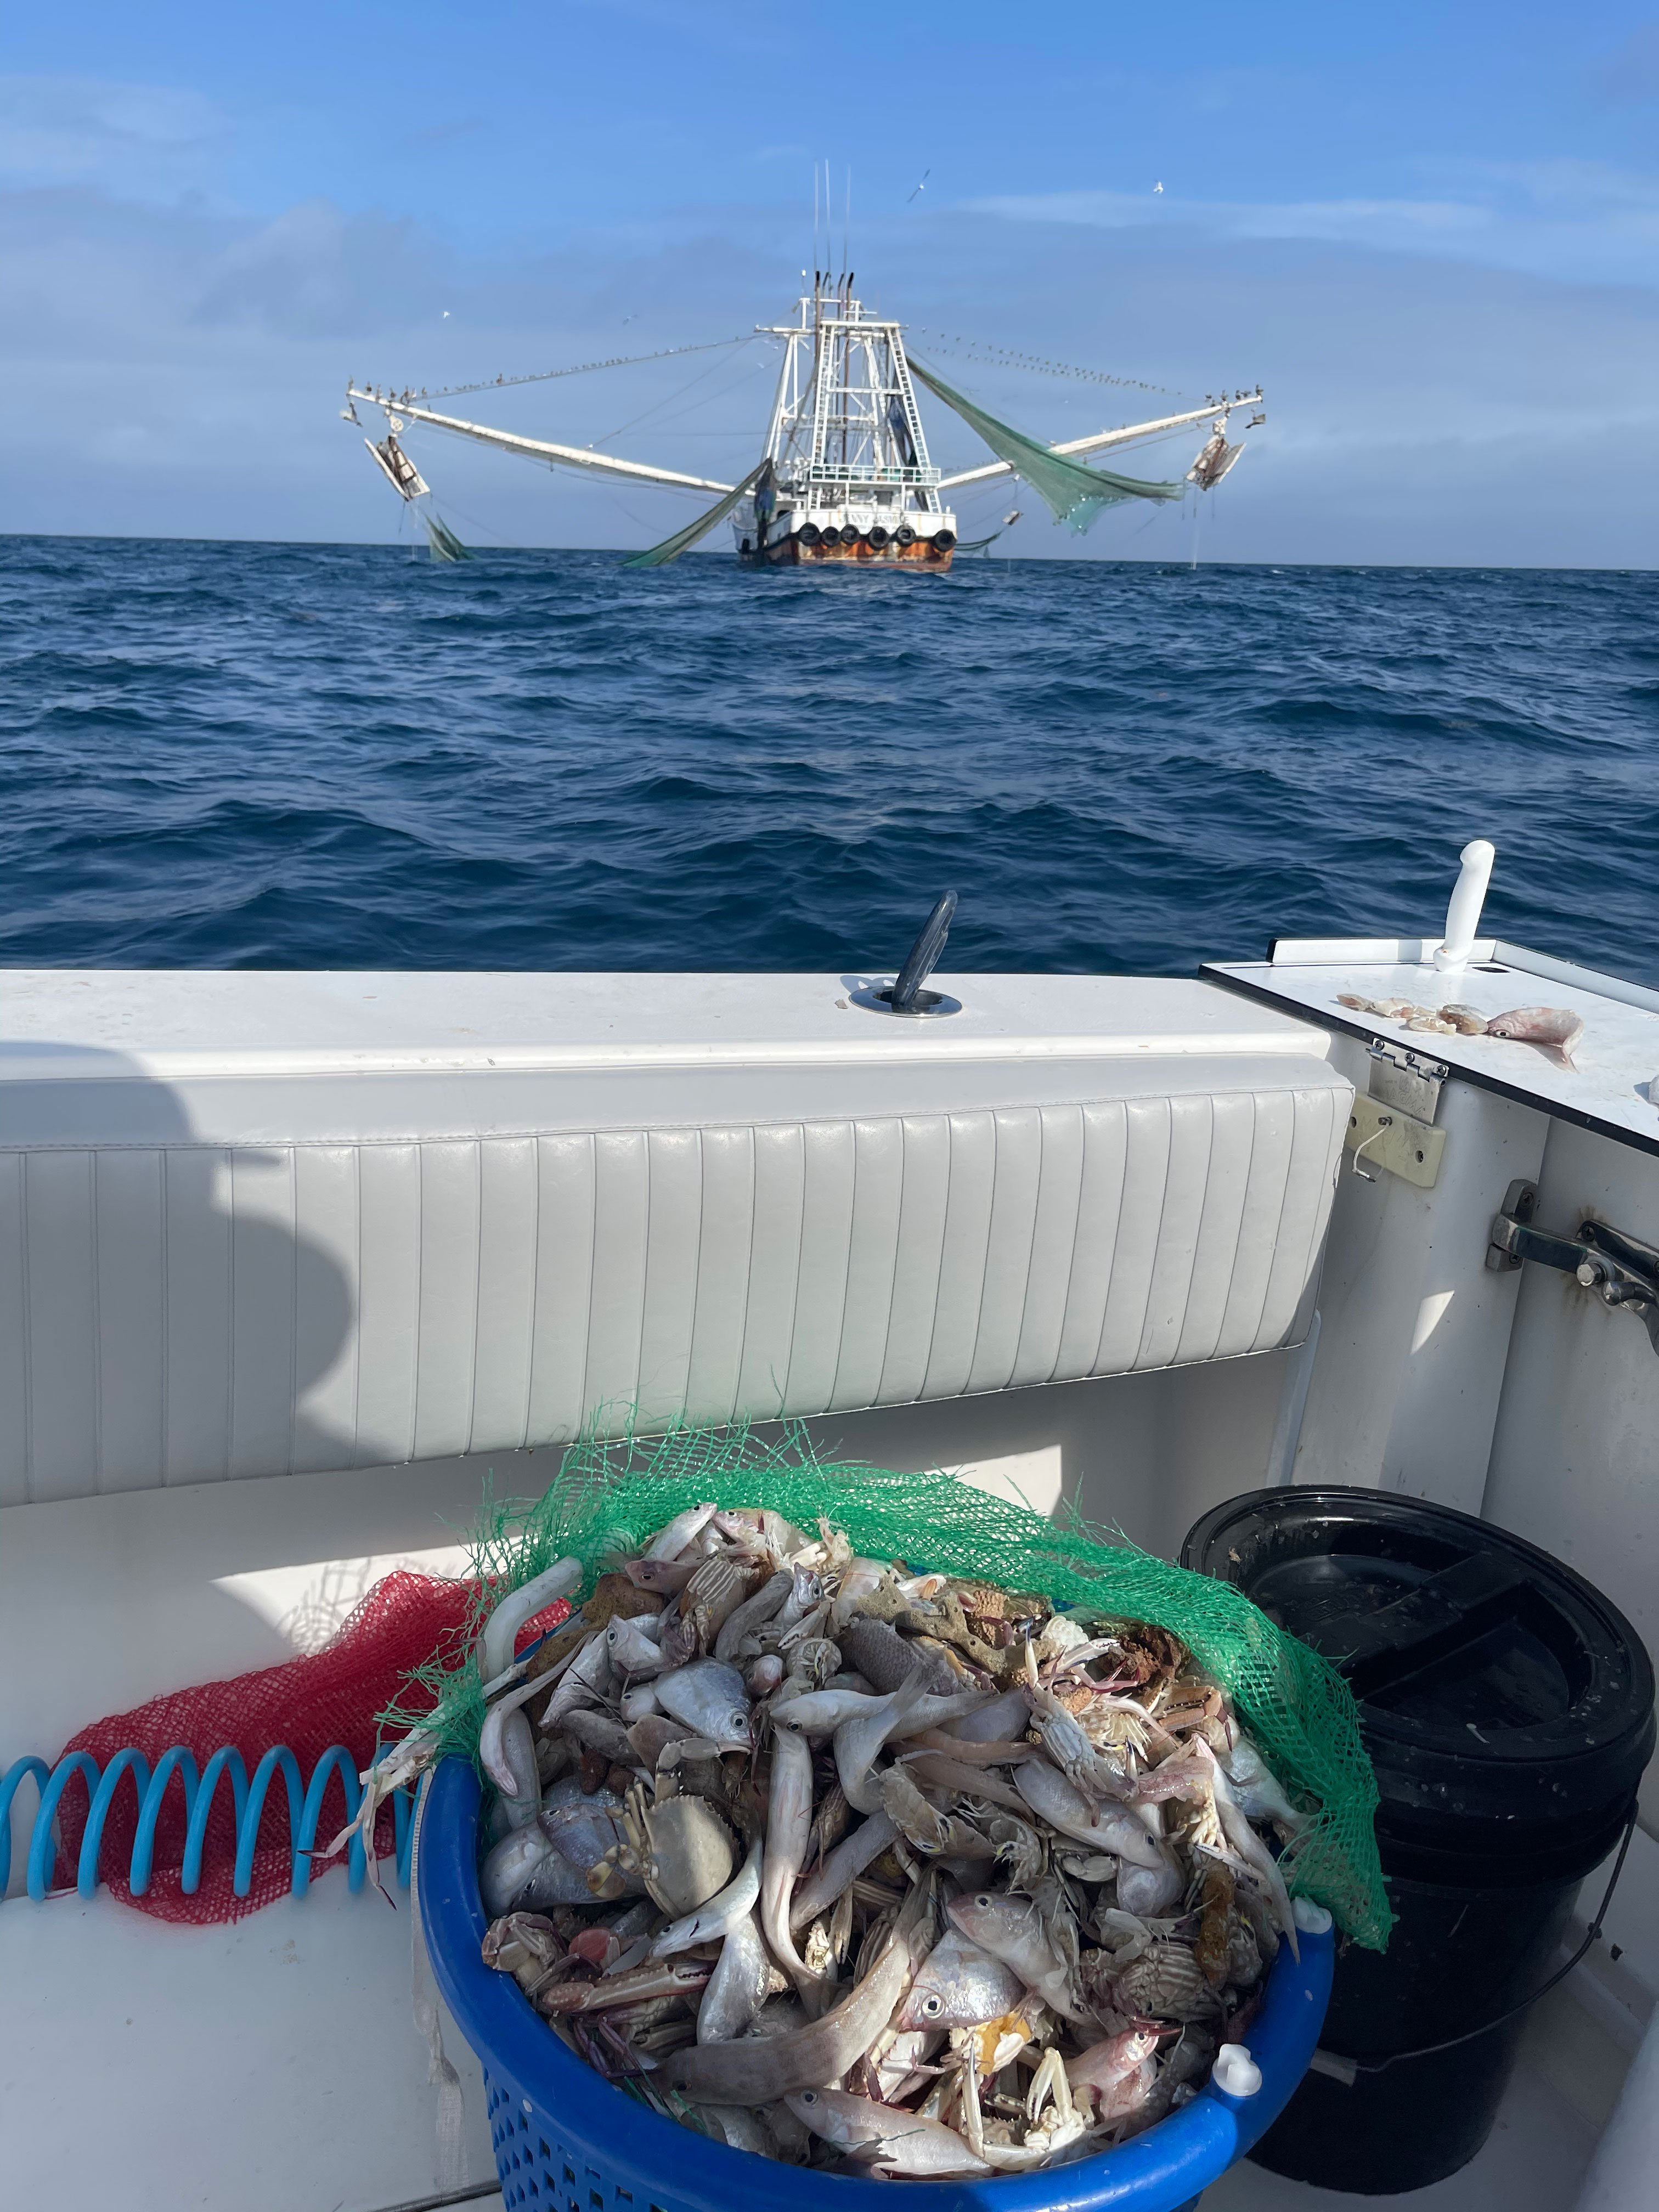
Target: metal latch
(1620,1269)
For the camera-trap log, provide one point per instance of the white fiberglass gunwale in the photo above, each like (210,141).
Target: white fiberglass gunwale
(166,1024)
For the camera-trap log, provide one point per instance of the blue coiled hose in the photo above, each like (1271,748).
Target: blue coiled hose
(305,1808)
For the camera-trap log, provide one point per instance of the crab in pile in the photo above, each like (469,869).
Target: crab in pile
(895,1872)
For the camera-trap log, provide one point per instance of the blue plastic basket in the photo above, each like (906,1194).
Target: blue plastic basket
(568,2141)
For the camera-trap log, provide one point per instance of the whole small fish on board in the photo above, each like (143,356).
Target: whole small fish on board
(836,1845)
(1553,1030)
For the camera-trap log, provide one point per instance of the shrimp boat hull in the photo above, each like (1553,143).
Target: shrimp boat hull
(292,1266)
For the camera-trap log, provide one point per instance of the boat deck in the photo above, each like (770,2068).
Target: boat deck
(274,2065)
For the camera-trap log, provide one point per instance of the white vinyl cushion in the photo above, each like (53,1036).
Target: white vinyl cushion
(187,1311)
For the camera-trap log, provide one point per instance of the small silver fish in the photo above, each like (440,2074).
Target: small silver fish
(1103,1827)
(1257,1788)
(842,1868)
(1553,1030)
(586,1677)
(684,1529)
(633,1652)
(708,1696)
(752,1613)
(1011,1929)
(1006,1717)
(805,1593)
(888,2139)
(859,1738)
(545,1863)
(788,1824)
(959,1985)
(1250,1848)
(666,1578)
(737,1988)
(507,1752)
(506,1870)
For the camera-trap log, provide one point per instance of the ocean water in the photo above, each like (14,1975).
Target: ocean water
(269,756)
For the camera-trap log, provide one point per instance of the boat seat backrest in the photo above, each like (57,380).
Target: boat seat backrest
(185,1311)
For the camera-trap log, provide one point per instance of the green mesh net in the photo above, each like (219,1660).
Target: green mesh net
(1074,493)
(658,557)
(612,1495)
(445,546)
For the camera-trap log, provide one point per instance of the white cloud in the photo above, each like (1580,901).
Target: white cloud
(136,141)
(1570,219)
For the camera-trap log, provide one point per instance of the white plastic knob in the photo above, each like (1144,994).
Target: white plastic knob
(1463,915)
(1237,2074)
(1312,1919)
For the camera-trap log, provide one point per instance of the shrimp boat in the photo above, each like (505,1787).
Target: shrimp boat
(844,476)
(294,1265)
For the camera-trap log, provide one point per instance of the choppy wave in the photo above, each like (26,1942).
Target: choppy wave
(225,755)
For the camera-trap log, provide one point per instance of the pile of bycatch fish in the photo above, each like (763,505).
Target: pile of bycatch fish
(856,1866)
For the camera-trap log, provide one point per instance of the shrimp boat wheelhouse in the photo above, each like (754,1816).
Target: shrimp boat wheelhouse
(845,475)
(294,1265)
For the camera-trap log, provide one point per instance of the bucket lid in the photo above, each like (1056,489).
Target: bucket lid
(1503,1698)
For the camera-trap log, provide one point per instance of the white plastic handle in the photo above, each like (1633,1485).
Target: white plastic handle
(1463,915)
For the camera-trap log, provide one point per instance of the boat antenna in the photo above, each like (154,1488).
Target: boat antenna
(847,226)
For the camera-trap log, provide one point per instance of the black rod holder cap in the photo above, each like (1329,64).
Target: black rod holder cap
(924,954)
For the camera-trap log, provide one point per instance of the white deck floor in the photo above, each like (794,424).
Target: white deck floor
(274,2066)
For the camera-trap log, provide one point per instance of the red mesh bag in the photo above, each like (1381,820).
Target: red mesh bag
(326,1698)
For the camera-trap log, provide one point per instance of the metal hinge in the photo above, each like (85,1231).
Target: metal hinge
(1407,1080)
(1393,1127)
(1620,1269)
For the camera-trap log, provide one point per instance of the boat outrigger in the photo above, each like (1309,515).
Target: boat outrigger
(845,475)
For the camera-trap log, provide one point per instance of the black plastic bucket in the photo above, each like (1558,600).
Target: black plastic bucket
(1508,1708)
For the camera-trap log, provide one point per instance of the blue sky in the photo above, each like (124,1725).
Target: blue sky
(1432,232)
